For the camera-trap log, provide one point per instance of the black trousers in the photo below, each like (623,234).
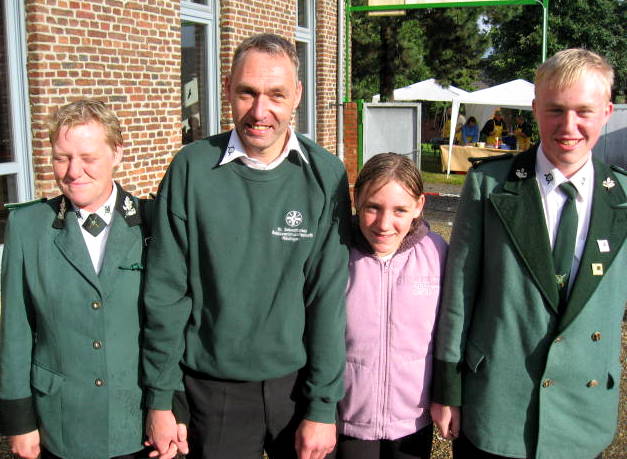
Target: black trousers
(414,446)
(233,419)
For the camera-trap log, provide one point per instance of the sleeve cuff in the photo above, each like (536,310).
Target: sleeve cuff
(17,416)
(180,407)
(320,411)
(446,385)
(157,399)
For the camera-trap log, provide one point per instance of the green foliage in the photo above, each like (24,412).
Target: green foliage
(390,52)
(598,25)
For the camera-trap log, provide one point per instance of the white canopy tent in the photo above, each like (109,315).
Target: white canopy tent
(425,90)
(516,94)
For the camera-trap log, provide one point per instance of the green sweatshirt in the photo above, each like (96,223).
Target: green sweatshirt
(246,273)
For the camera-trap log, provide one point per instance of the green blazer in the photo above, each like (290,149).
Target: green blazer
(69,343)
(530,382)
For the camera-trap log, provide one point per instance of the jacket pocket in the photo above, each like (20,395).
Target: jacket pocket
(44,380)
(359,403)
(473,356)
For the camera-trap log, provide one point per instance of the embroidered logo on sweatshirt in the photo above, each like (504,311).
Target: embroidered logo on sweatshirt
(292,231)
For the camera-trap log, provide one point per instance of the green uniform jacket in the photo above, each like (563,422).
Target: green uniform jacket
(69,343)
(531,383)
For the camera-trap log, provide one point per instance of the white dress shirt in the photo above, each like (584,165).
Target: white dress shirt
(235,150)
(96,244)
(549,178)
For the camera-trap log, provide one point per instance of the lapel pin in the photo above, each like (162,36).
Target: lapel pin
(129,208)
(521,173)
(548,177)
(597,269)
(604,246)
(608,183)
(561,280)
(230,150)
(107,209)
(78,214)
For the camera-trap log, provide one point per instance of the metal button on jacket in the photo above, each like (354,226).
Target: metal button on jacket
(96,305)
(99,382)
(97,344)
(592,383)
(596,336)
(547,383)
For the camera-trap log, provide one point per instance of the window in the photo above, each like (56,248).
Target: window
(305,48)
(15,145)
(199,74)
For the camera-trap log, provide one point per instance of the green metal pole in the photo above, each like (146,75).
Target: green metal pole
(347,44)
(545,27)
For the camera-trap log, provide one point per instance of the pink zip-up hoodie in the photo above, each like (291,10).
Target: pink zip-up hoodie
(391,314)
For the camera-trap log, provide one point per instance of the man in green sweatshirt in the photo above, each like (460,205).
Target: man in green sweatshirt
(246,277)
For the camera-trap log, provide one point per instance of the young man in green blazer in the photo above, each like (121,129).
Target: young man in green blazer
(71,277)
(528,348)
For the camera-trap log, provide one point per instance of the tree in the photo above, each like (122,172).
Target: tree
(597,25)
(389,52)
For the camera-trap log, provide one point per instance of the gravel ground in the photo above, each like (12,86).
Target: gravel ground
(440,213)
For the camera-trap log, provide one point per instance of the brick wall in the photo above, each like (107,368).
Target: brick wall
(326,73)
(351,160)
(125,53)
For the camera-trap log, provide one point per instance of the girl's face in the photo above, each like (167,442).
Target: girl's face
(386,214)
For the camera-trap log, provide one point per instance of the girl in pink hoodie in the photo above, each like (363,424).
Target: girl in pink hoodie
(396,268)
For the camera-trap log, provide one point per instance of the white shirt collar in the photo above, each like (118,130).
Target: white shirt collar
(235,150)
(550,177)
(105,211)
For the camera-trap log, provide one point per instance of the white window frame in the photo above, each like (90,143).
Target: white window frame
(207,15)
(19,106)
(307,35)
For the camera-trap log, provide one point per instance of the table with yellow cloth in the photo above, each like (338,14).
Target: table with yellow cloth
(459,159)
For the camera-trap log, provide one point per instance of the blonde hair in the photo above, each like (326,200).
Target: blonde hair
(82,112)
(566,67)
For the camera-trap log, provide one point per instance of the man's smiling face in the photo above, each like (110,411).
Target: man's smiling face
(264,91)
(570,120)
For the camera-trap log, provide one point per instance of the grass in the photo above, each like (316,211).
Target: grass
(432,170)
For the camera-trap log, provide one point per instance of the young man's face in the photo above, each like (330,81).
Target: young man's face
(264,92)
(83,164)
(570,120)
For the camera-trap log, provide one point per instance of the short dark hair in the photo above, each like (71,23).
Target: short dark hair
(266,43)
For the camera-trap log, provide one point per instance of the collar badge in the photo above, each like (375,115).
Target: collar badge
(230,150)
(609,183)
(548,177)
(129,208)
(521,173)
(107,209)
(61,213)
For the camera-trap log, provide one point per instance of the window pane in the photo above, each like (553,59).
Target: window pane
(193,81)
(6,145)
(302,113)
(202,2)
(8,193)
(302,14)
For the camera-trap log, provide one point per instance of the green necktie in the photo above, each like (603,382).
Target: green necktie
(564,247)
(94,224)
